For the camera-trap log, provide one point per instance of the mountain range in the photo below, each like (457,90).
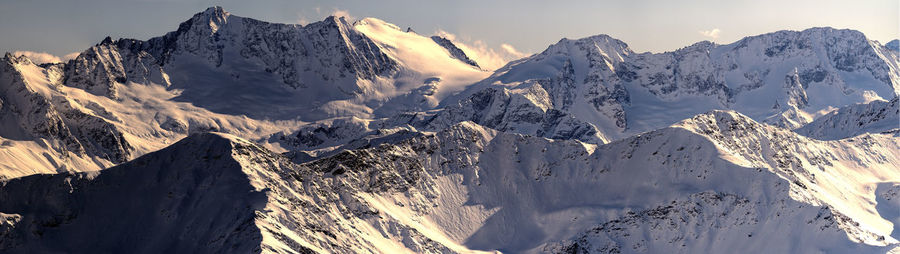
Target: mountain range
(232,134)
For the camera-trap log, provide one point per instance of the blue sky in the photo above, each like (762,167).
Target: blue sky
(62,27)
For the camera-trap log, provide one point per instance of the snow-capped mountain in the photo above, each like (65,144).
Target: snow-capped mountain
(874,117)
(227,64)
(712,182)
(236,135)
(217,72)
(785,78)
(50,127)
(43,133)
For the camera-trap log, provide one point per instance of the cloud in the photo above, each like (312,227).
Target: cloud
(70,56)
(44,57)
(714,33)
(445,34)
(512,50)
(486,57)
(342,14)
(301,20)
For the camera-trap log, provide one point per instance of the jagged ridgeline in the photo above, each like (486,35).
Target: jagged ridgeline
(217,72)
(232,134)
(709,183)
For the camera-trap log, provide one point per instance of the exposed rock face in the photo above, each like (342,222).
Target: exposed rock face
(216,72)
(455,51)
(874,117)
(600,80)
(363,143)
(39,115)
(527,111)
(330,51)
(709,182)
(105,66)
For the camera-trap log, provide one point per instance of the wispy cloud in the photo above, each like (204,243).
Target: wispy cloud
(713,34)
(301,19)
(486,57)
(70,56)
(445,34)
(342,14)
(512,50)
(44,57)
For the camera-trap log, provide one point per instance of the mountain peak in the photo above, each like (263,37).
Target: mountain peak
(374,139)
(700,45)
(214,137)
(178,180)
(722,119)
(215,11)
(12,59)
(340,20)
(213,17)
(828,29)
(603,43)
(814,35)
(893,45)
(599,39)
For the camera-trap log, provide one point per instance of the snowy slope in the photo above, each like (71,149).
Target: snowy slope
(218,66)
(235,65)
(217,72)
(430,70)
(49,127)
(46,133)
(786,78)
(515,193)
(712,182)
(171,200)
(873,117)
(208,193)
(527,109)
(359,137)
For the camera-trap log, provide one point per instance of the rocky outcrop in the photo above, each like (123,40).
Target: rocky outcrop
(455,51)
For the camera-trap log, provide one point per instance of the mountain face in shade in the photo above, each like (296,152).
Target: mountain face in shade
(232,134)
(227,64)
(216,72)
(711,182)
(893,45)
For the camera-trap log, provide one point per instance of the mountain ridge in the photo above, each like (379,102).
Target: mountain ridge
(798,70)
(232,134)
(405,191)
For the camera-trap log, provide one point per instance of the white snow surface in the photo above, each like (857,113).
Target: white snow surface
(873,117)
(718,182)
(123,98)
(785,78)
(368,68)
(236,135)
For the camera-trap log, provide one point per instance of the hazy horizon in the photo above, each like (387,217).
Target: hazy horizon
(508,29)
